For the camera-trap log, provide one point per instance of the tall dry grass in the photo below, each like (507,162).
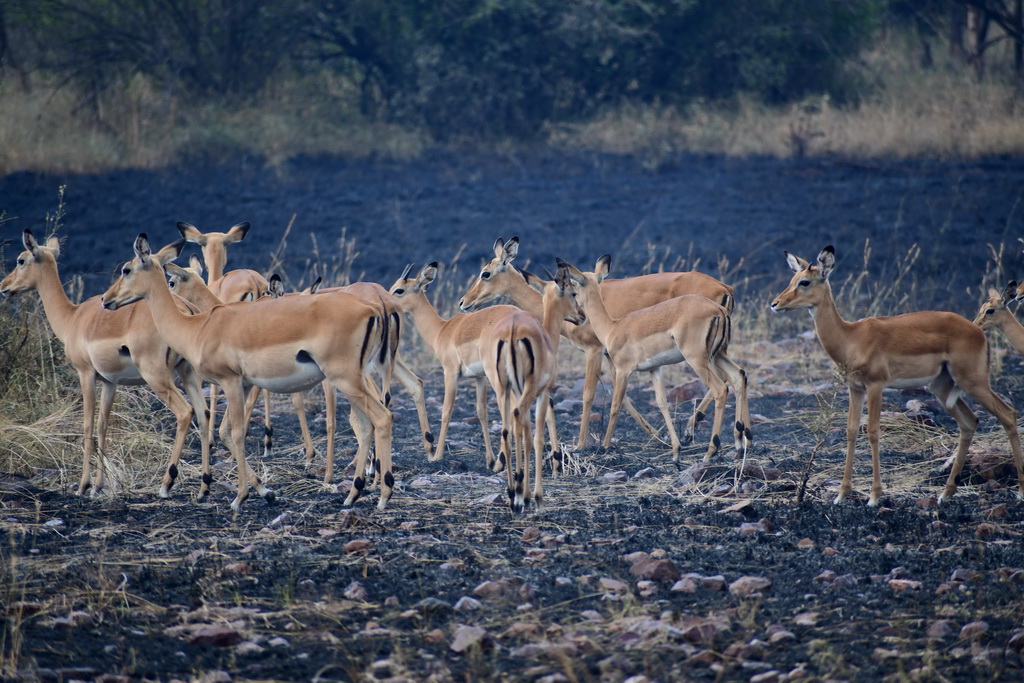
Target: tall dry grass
(904,110)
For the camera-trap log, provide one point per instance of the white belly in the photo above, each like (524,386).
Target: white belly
(664,358)
(473,370)
(303,376)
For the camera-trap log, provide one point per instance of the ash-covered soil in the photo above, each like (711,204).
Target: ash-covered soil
(633,568)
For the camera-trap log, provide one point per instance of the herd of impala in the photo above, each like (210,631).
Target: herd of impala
(242,334)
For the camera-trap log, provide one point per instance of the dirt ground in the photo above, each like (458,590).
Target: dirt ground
(634,569)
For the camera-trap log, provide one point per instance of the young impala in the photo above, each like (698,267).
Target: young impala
(456,344)
(520,357)
(621,296)
(283,346)
(940,350)
(691,328)
(111,348)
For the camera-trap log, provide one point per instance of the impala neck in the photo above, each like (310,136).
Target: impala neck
(425,317)
(833,331)
(171,323)
(523,295)
(551,322)
(199,294)
(56,304)
(1011,328)
(597,314)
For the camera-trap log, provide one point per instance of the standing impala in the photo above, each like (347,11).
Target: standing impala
(940,350)
(111,348)
(283,346)
(621,296)
(691,328)
(456,344)
(520,357)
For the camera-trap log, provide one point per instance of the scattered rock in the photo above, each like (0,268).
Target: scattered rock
(358,546)
(467,604)
(466,637)
(974,631)
(749,585)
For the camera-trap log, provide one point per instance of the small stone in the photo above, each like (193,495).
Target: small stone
(467,604)
(490,589)
(985,530)
(749,585)
(805,544)
(356,591)
(466,637)
(530,534)
(357,546)
(974,631)
(939,629)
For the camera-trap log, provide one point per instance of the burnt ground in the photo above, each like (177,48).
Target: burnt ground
(634,567)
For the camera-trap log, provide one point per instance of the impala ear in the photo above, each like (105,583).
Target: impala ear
(795,263)
(535,282)
(1010,293)
(142,249)
(191,233)
(169,253)
(276,286)
(408,270)
(31,246)
(53,244)
(563,280)
(826,260)
(573,272)
(499,248)
(510,251)
(315,287)
(195,264)
(427,275)
(603,265)
(237,233)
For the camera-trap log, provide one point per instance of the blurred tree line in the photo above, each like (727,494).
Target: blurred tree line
(485,68)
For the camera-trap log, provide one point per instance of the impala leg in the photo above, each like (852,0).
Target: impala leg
(168,393)
(1007,417)
(874,419)
(701,364)
(299,405)
(619,380)
(414,385)
(194,388)
(737,378)
(107,391)
(232,432)
(481,415)
(450,379)
(852,427)
(591,374)
(543,410)
(368,404)
(87,378)
(658,380)
(516,498)
(524,443)
(331,408)
(699,413)
(556,447)
(640,419)
(211,419)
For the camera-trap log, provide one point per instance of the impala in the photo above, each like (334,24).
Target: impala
(283,346)
(233,286)
(943,351)
(690,327)
(376,295)
(621,296)
(994,314)
(111,348)
(520,356)
(456,344)
(188,284)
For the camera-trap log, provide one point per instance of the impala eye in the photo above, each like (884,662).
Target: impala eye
(990,311)
(398,292)
(21,261)
(805,283)
(126,271)
(484,275)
